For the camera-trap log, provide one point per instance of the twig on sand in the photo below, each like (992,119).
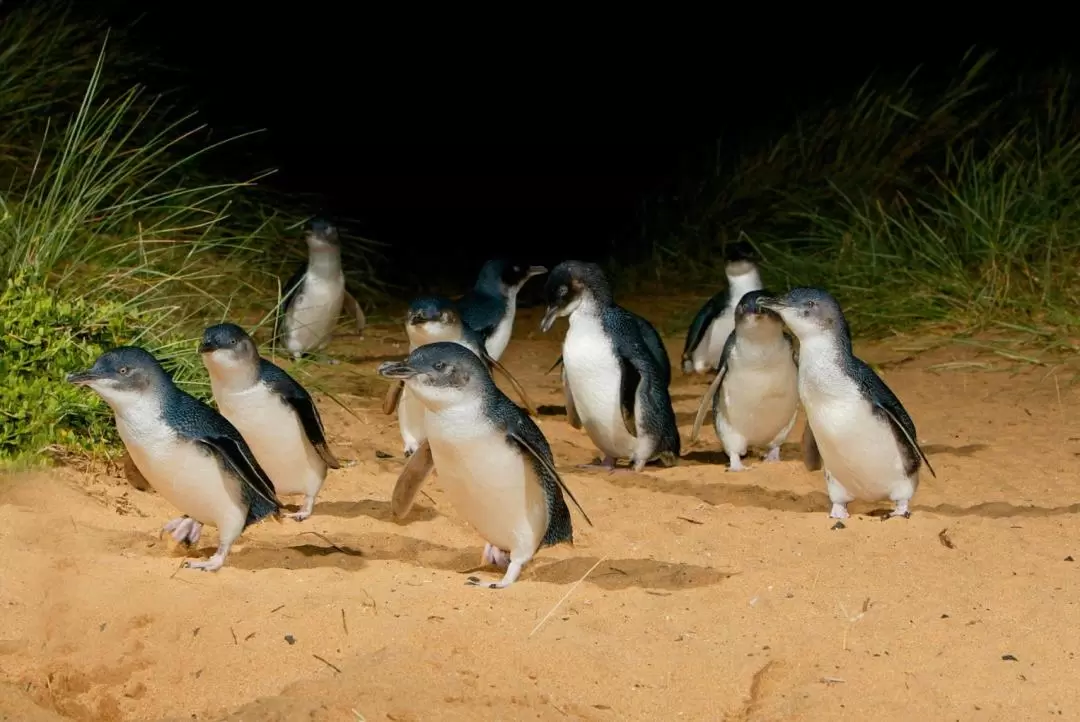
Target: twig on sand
(568,593)
(344,624)
(323,537)
(177,570)
(328,664)
(234,639)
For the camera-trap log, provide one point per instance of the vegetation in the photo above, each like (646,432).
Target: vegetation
(956,205)
(109,233)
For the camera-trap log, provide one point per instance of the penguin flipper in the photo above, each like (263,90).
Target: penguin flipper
(631,384)
(301,402)
(810,453)
(704,317)
(352,307)
(557,364)
(884,400)
(257,487)
(711,398)
(571,409)
(481,312)
(656,347)
(289,293)
(412,477)
(704,406)
(393,396)
(529,406)
(526,437)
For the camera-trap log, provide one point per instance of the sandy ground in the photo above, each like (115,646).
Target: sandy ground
(715,596)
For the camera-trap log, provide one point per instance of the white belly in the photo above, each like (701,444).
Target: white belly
(489,483)
(411,420)
(594,374)
(708,352)
(276,437)
(314,314)
(186,476)
(855,446)
(496,343)
(759,399)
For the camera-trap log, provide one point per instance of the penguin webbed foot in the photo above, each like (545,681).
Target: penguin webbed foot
(607,464)
(210,565)
(184,530)
(839,511)
(305,510)
(900,510)
(773,455)
(495,556)
(735,463)
(513,570)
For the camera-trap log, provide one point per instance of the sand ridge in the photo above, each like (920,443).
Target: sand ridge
(712,595)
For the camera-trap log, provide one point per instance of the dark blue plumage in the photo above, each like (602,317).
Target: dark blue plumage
(487,303)
(430,308)
(705,315)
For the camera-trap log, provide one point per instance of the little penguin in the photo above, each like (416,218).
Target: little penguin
(494,461)
(431,319)
(715,320)
(489,307)
(615,369)
(275,414)
(188,452)
(315,295)
(755,394)
(856,426)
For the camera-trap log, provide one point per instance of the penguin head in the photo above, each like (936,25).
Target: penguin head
(431,319)
(808,312)
(322,236)
(740,259)
(569,285)
(440,374)
(123,375)
(226,346)
(751,315)
(501,276)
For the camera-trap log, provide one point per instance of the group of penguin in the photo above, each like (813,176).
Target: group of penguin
(770,355)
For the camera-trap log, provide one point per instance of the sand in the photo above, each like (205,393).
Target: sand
(709,595)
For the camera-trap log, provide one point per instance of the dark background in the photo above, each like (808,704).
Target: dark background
(454,143)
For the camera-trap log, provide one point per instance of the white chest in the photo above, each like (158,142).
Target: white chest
(314,313)
(707,354)
(594,374)
(488,481)
(186,475)
(856,446)
(275,434)
(496,343)
(760,393)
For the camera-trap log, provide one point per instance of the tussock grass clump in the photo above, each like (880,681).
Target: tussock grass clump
(110,233)
(956,204)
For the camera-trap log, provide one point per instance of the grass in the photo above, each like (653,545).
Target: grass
(952,204)
(110,233)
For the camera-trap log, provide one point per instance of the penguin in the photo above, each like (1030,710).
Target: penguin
(431,319)
(315,295)
(614,377)
(755,394)
(489,307)
(856,427)
(493,460)
(188,452)
(715,320)
(275,414)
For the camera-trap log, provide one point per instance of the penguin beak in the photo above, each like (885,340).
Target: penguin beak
(549,319)
(82,378)
(396,370)
(535,271)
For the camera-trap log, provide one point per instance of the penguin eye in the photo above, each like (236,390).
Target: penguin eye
(439,365)
(811,303)
(563,290)
(123,370)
